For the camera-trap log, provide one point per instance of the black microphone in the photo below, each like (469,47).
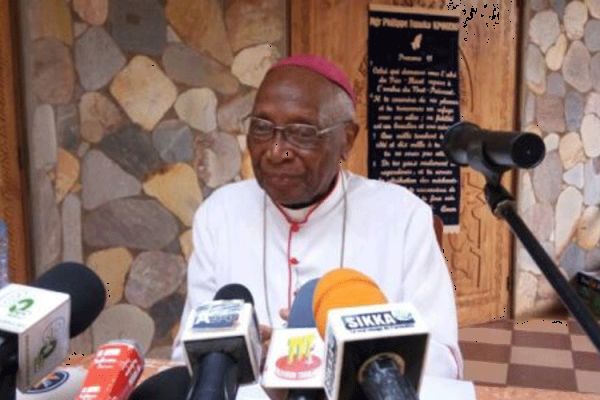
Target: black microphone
(170,384)
(374,350)
(301,313)
(467,144)
(222,344)
(176,383)
(85,288)
(39,320)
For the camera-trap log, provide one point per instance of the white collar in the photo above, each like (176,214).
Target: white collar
(323,207)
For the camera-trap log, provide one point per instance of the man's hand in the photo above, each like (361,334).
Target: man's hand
(284,313)
(265,338)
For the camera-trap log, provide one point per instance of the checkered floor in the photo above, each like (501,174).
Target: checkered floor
(542,354)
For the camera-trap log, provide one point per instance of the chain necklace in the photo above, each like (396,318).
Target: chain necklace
(264,250)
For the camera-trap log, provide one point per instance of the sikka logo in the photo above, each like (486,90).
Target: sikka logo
(378,320)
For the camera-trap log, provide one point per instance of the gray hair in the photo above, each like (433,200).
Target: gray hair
(339,107)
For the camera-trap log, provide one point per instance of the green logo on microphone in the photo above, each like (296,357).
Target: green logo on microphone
(46,350)
(56,329)
(20,307)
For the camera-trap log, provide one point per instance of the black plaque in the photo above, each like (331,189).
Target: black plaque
(413,97)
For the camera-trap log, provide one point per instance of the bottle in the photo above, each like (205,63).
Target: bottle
(3,254)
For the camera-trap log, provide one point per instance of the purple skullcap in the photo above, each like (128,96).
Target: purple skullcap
(321,66)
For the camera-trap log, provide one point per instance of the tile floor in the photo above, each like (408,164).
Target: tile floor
(537,353)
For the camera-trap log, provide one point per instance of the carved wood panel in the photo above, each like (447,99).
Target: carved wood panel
(479,256)
(11,175)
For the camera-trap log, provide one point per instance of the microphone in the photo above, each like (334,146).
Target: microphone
(301,313)
(114,371)
(295,357)
(63,384)
(170,384)
(301,316)
(37,321)
(222,344)
(85,288)
(467,144)
(373,350)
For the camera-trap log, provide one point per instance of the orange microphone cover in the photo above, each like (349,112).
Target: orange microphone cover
(343,287)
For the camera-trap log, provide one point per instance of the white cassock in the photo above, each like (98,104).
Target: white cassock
(389,236)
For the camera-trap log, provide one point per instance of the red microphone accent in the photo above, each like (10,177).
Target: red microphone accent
(113,373)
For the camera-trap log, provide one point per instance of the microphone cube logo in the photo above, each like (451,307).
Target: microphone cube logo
(17,303)
(300,362)
(19,309)
(377,321)
(221,314)
(55,329)
(49,383)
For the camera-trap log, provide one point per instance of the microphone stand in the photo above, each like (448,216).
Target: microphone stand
(502,205)
(8,387)
(9,365)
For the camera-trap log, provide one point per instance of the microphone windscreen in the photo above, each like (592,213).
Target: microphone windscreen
(171,384)
(301,313)
(234,291)
(340,288)
(85,288)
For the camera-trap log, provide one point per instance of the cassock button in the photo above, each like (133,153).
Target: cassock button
(295,227)
(294,261)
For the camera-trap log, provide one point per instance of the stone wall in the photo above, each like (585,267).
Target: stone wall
(560,198)
(135,109)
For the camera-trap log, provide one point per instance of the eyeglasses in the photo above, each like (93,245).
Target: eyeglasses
(304,136)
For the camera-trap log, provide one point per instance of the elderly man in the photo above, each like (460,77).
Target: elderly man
(304,215)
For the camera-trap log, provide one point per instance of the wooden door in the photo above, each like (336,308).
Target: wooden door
(480,255)
(12,173)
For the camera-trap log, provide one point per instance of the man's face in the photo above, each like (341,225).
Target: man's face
(291,175)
